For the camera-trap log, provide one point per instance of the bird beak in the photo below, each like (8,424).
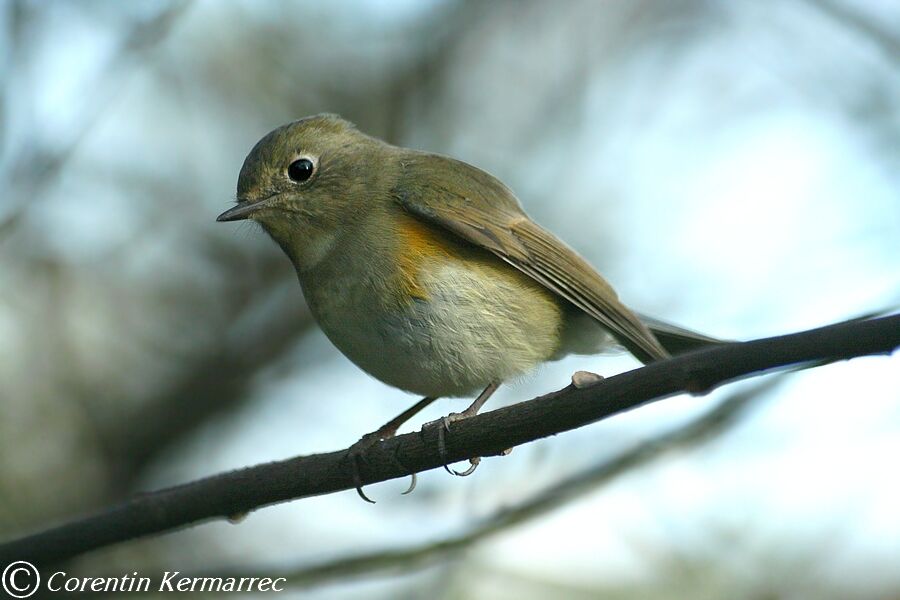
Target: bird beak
(243,210)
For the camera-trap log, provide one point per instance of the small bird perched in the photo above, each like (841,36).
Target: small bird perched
(424,270)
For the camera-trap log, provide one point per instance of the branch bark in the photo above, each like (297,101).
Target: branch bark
(488,434)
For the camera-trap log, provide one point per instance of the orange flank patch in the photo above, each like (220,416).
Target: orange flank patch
(420,243)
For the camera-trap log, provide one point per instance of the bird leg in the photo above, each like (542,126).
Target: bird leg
(453,417)
(386,431)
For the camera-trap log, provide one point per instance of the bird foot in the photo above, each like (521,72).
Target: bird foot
(356,454)
(443,425)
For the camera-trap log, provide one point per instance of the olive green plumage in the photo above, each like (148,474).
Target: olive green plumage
(424,270)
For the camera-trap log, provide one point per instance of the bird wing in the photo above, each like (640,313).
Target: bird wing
(480,209)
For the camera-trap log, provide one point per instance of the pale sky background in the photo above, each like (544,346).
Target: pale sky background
(730,167)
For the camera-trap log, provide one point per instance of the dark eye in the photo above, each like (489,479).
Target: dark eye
(300,170)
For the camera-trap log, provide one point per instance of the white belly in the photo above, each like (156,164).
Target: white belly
(476,327)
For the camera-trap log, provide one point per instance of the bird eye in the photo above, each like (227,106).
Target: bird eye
(300,170)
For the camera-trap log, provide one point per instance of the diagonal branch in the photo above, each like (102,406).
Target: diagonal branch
(710,424)
(488,434)
(41,168)
(881,35)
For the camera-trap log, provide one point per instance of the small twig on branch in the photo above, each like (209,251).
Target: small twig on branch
(488,434)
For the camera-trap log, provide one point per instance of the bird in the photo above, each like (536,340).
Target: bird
(425,271)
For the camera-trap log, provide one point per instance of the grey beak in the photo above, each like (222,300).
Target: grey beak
(242,211)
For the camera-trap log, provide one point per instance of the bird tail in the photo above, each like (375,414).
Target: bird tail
(678,340)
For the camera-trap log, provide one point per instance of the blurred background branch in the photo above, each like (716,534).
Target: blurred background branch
(845,14)
(36,168)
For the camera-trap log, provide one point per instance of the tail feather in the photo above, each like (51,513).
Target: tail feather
(678,340)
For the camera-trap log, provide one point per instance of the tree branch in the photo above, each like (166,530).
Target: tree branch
(882,37)
(487,434)
(709,425)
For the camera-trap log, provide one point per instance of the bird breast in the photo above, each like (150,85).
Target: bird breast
(434,316)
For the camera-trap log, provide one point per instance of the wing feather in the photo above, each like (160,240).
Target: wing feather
(480,209)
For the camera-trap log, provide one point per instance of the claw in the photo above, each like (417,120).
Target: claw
(362,495)
(442,447)
(473,464)
(412,485)
(357,481)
